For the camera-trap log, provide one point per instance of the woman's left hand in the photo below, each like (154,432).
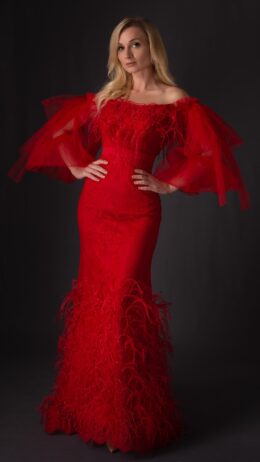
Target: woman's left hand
(149,183)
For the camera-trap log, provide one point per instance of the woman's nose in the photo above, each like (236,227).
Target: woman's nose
(129,54)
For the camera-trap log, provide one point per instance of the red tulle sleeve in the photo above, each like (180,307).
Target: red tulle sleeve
(200,157)
(69,138)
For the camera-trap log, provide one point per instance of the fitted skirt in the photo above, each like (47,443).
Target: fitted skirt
(113,380)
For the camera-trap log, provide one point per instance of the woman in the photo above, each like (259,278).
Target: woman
(113,380)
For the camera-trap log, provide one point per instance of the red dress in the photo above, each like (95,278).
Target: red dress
(113,379)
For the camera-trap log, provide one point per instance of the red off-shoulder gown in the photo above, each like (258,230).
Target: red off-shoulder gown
(113,379)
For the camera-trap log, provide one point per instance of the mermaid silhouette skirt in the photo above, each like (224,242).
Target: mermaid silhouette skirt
(113,378)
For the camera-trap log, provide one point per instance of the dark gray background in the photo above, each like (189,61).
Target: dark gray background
(206,261)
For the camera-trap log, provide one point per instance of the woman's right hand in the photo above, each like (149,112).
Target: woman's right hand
(92,170)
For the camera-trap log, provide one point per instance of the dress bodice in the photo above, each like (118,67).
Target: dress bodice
(195,142)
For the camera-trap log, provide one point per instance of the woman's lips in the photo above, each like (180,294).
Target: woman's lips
(130,64)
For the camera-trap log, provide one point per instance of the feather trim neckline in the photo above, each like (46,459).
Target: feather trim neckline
(173,103)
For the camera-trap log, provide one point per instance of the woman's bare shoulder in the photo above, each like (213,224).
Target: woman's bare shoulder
(174,92)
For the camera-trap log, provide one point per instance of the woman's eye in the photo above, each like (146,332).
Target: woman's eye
(120,47)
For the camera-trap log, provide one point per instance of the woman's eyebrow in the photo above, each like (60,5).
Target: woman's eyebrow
(136,38)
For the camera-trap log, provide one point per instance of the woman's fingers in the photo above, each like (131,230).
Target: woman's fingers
(94,168)
(101,161)
(96,171)
(93,177)
(140,177)
(96,165)
(143,178)
(149,183)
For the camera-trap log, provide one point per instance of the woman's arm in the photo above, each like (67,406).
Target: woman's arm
(69,139)
(200,156)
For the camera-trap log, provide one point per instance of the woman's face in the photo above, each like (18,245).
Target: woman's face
(133,49)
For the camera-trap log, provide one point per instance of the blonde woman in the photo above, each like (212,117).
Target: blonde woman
(113,381)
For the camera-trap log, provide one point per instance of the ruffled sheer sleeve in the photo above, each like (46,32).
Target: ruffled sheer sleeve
(69,138)
(199,156)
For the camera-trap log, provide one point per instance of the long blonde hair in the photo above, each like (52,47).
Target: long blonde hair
(120,82)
